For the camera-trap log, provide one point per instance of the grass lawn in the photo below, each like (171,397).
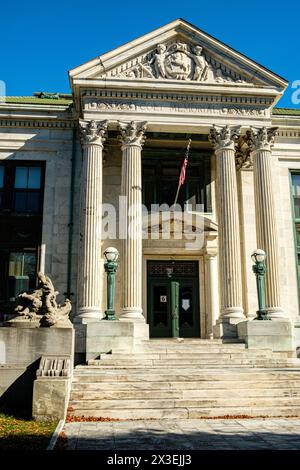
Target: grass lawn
(21,434)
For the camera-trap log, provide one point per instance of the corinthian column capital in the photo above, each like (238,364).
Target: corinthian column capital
(261,138)
(224,137)
(93,132)
(132,133)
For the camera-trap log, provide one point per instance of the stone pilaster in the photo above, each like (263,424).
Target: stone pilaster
(211,289)
(260,142)
(89,257)
(223,140)
(132,138)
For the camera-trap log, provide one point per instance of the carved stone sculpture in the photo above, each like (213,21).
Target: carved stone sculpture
(132,133)
(159,61)
(261,138)
(243,156)
(40,305)
(201,66)
(177,61)
(93,132)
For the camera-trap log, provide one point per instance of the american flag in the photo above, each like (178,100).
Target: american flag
(184,165)
(183,171)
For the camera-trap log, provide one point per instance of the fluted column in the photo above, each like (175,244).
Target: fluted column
(89,256)
(260,142)
(223,140)
(132,139)
(212,292)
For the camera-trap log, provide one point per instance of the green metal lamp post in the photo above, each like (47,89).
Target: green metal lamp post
(111,255)
(259,269)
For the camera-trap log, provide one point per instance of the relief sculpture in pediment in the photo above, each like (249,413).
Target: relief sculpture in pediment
(177,61)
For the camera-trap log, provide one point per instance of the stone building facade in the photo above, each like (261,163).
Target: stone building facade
(123,132)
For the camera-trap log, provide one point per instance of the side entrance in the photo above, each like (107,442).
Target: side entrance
(173,285)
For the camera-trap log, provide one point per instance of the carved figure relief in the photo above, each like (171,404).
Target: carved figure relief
(159,61)
(176,61)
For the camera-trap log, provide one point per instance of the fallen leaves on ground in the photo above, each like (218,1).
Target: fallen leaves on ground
(21,434)
(62,441)
(82,419)
(79,419)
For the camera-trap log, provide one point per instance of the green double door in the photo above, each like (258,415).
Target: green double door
(173,299)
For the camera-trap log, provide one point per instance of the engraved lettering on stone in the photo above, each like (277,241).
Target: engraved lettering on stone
(170,106)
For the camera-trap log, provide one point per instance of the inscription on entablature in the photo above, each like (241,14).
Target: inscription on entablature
(175,106)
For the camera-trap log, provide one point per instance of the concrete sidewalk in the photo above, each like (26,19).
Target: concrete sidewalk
(186,434)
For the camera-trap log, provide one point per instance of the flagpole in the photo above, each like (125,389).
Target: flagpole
(178,189)
(186,155)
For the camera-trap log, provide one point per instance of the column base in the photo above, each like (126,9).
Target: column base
(102,337)
(276,313)
(88,314)
(232,312)
(132,314)
(226,327)
(275,335)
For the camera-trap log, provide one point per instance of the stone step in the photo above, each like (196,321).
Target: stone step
(192,351)
(208,385)
(166,379)
(184,413)
(87,395)
(170,341)
(123,404)
(215,362)
(193,355)
(192,347)
(187,375)
(122,394)
(192,368)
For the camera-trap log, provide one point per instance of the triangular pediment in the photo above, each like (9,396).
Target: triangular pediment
(178,52)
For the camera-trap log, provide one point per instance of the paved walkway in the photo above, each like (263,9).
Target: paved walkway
(186,434)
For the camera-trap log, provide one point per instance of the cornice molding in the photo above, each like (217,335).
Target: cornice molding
(175,96)
(37,123)
(290,133)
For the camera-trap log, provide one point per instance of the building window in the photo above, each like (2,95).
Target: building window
(161,170)
(27,189)
(21,187)
(295,179)
(18,272)
(21,272)
(21,206)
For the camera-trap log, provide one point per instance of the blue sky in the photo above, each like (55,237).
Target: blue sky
(41,41)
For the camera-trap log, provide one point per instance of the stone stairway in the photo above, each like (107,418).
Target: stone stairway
(188,379)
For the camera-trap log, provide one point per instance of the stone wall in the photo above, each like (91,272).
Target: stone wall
(54,147)
(20,352)
(286,158)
